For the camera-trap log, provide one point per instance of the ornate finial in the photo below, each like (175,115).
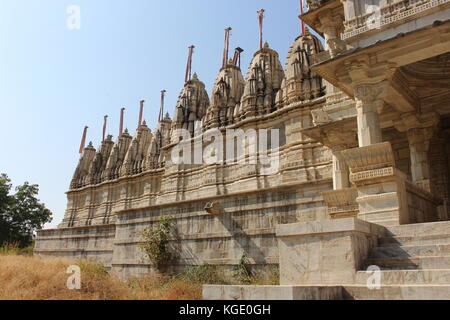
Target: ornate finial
(90,145)
(105,119)
(144,123)
(261,21)
(161,108)
(167,116)
(237,57)
(266,45)
(189,64)
(226,46)
(141,112)
(121,121)
(83,139)
(109,137)
(195,76)
(126,131)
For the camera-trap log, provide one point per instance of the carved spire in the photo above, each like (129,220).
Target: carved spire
(81,172)
(191,106)
(134,160)
(263,81)
(301,82)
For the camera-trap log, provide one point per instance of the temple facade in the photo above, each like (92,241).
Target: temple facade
(364,156)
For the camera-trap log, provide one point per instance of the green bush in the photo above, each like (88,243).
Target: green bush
(203,274)
(92,268)
(243,274)
(155,243)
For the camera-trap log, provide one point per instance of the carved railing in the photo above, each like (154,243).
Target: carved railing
(391,13)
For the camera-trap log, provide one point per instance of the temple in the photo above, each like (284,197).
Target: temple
(364,174)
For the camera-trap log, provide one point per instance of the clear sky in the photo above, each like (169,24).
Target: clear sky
(54,81)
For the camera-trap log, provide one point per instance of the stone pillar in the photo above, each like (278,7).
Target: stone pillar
(419,130)
(333,43)
(331,25)
(419,145)
(368,104)
(340,170)
(382,197)
(341,201)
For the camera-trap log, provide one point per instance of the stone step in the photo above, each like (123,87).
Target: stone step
(250,293)
(398,292)
(420,229)
(407,277)
(410,263)
(414,241)
(410,251)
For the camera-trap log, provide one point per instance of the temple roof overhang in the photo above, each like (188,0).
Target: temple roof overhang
(385,61)
(311,18)
(342,132)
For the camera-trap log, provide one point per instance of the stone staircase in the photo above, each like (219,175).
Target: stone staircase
(415,264)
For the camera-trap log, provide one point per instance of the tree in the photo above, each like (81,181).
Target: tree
(21,214)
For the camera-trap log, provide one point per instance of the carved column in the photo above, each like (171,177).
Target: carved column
(419,145)
(368,104)
(340,169)
(341,201)
(419,130)
(331,25)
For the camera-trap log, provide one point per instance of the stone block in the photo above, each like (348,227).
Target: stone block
(324,252)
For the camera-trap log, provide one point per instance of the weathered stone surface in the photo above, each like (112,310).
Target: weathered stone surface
(328,252)
(211,292)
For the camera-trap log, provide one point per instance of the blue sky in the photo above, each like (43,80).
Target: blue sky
(54,81)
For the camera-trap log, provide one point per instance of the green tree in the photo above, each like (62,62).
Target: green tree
(21,214)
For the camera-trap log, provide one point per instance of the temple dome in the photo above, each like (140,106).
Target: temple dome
(301,83)
(191,106)
(263,80)
(226,96)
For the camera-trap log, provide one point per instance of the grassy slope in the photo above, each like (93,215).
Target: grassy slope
(32,278)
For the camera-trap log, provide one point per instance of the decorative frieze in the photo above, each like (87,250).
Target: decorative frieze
(341,203)
(371,157)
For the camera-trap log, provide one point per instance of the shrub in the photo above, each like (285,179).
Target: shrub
(156,243)
(243,274)
(203,274)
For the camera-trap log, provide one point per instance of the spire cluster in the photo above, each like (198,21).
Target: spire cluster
(266,88)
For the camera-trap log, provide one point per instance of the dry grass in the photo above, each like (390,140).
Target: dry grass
(32,278)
